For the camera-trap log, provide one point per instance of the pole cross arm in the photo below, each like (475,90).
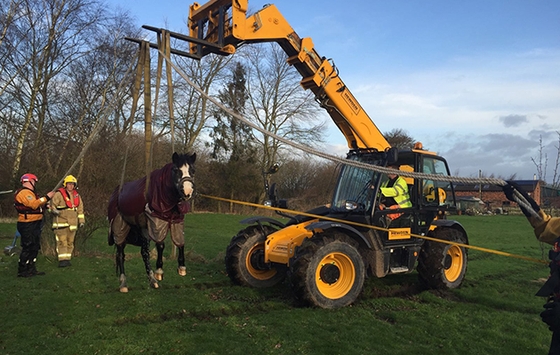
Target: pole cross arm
(155,46)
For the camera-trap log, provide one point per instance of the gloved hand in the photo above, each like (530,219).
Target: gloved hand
(508,191)
(55,212)
(551,315)
(81,225)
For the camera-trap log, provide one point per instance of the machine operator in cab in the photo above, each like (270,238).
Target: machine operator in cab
(394,194)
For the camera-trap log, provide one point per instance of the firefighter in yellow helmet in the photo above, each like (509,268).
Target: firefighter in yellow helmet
(67,208)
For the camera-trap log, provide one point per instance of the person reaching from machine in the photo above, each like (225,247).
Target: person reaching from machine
(68,210)
(545,227)
(394,194)
(547,230)
(30,223)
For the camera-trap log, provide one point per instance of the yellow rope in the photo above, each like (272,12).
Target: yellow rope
(486,250)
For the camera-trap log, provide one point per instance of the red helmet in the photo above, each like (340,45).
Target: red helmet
(28,177)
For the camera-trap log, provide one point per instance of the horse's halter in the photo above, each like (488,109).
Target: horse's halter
(181,182)
(179,185)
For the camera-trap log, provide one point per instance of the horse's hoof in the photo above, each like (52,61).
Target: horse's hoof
(153,280)
(182,271)
(158,274)
(123,287)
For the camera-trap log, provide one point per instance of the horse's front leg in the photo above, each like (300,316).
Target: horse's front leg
(181,269)
(159,262)
(123,287)
(145,251)
(178,237)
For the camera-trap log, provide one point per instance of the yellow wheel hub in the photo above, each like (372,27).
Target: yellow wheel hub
(335,275)
(453,263)
(252,266)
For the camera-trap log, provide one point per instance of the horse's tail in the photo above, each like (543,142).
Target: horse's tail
(112,210)
(117,268)
(110,238)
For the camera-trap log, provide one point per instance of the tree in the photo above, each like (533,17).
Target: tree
(306,182)
(399,138)
(277,102)
(92,93)
(541,163)
(191,108)
(233,142)
(7,17)
(556,174)
(230,135)
(43,42)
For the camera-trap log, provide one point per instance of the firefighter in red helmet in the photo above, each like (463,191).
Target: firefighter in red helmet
(68,210)
(30,223)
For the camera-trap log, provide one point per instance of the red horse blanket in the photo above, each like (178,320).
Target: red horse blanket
(158,209)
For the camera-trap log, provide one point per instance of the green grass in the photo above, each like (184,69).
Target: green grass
(78,310)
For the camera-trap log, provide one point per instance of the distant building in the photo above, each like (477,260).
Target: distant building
(493,197)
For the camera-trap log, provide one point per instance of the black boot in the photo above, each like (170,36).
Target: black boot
(33,270)
(23,270)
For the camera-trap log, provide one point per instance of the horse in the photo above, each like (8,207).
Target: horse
(139,214)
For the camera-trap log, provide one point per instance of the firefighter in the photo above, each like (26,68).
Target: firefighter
(30,223)
(68,210)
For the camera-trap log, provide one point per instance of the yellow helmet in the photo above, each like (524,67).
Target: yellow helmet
(70,178)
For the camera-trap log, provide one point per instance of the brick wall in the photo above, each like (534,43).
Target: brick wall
(495,198)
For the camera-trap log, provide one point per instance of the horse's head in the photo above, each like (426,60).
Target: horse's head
(183,174)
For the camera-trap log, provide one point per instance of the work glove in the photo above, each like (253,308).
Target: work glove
(81,225)
(551,315)
(509,190)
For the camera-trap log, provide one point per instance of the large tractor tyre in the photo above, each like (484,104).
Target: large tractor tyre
(442,265)
(328,271)
(245,259)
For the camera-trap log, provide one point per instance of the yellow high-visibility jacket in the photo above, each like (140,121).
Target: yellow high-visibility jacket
(399,192)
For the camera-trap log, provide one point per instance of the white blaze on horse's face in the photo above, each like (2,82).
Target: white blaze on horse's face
(188,187)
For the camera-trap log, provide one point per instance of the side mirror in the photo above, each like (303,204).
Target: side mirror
(283,204)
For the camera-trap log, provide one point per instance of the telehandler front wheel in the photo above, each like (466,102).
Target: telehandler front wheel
(328,271)
(442,265)
(245,259)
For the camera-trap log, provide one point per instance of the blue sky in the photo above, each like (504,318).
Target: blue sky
(477,81)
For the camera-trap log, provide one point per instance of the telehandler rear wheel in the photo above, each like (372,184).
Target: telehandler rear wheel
(245,259)
(442,265)
(328,271)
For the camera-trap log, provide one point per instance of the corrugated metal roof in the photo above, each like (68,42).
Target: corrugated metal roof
(526,185)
